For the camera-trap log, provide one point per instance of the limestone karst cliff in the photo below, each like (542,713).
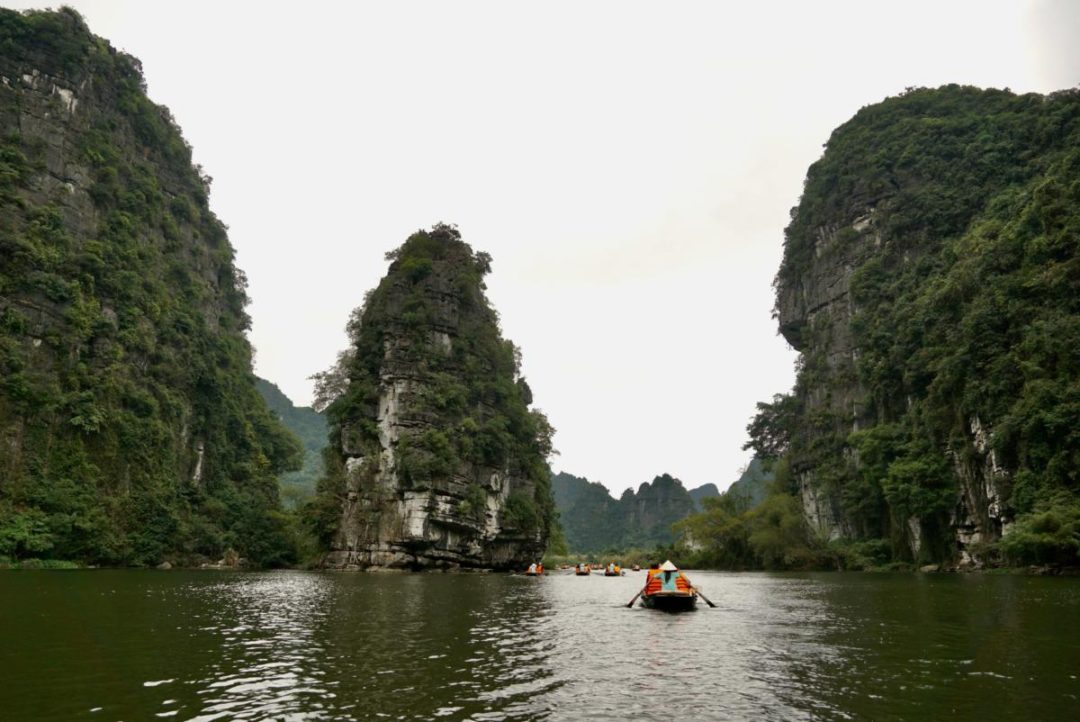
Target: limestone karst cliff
(931,283)
(435,459)
(130,427)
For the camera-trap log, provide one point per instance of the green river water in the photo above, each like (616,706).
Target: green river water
(145,645)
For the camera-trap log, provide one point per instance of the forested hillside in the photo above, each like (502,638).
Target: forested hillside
(131,431)
(593,521)
(931,282)
(311,428)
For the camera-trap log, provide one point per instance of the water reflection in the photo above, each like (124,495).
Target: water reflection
(267,626)
(310,646)
(328,646)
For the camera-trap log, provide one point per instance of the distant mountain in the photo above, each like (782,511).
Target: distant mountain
(703,492)
(594,521)
(311,428)
(752,487)
(590,518)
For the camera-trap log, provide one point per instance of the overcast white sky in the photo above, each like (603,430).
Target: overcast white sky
(630,167)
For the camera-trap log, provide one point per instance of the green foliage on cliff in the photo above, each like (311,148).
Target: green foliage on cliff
(430,326)
(130,427)
(966,319)
(1050,534)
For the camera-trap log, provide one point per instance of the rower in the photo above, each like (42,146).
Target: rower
(672,580)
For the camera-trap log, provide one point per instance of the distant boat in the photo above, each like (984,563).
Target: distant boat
(668,589)
(636,568)
(613,570)
(582,570)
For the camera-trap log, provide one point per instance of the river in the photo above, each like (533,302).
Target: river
(209,645)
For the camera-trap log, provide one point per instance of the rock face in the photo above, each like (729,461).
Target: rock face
(437,460)
(887,290)
(130,428)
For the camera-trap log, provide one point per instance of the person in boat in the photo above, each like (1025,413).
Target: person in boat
(652,578)
(532,568)
(666,578)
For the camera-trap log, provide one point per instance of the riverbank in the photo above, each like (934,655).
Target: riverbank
(40,564)
(222,565)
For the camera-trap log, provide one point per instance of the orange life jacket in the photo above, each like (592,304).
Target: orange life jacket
(654,585)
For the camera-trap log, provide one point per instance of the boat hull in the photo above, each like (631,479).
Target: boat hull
(670,602)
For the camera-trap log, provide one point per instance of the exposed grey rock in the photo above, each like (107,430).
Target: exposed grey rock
(393,519)
(815,311)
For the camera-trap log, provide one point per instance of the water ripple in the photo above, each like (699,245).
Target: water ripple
(320,646)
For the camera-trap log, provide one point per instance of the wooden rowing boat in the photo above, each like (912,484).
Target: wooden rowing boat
(670,601)
(668,589)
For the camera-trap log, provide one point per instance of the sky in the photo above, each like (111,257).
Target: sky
(630,167)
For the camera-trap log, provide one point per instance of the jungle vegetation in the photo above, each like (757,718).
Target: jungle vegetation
(473,406)
(966,316)
(131,431)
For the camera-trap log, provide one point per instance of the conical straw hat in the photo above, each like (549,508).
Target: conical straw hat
(668,567)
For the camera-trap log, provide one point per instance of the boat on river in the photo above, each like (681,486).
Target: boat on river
(582,570)
(613,570)
(670,601)
(535,570)
(668,589)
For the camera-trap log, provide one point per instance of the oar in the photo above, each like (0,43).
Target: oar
(704,597)
(631,603)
